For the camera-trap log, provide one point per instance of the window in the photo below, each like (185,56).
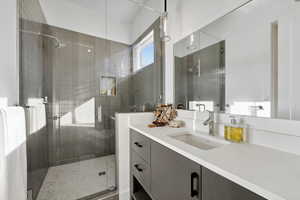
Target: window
(143,53)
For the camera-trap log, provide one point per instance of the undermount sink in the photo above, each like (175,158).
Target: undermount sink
(203,142)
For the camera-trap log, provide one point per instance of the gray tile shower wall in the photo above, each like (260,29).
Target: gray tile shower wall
(76,70)
(147,83)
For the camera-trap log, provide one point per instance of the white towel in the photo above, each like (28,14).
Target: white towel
(36,115)
(13,133)
(3,177)
(3,102)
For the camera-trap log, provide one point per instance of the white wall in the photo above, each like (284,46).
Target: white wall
(9,84)
(198,13)
(68,15)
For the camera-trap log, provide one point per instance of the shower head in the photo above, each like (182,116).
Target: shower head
(59,44)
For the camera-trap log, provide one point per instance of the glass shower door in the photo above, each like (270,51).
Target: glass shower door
(75,98)
(82,157)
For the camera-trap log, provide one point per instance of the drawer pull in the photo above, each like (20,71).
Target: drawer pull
(138,145)
(138,168)
(195,185)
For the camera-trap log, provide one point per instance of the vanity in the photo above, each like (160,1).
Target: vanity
(159,172)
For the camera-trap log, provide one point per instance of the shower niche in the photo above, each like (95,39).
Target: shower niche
(108,86)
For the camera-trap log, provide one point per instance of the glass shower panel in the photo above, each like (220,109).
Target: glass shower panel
(74,101)
(81,127)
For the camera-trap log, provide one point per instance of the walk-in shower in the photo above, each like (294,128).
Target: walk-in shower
(81,63)
(78,129)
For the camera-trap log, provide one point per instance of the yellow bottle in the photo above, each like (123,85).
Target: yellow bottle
(235,132)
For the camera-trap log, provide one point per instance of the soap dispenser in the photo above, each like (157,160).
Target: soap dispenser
(235,131)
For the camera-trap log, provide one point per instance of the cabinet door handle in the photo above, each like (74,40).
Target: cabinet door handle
(138,168)
(195,185)
(138,145)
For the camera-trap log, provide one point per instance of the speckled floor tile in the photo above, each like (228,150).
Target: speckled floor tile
(79,179)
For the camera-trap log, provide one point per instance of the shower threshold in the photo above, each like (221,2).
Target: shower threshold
(104,195)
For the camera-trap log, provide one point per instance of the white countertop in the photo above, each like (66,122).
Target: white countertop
(270,173)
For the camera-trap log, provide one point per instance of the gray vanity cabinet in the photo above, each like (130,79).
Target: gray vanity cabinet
(173,176)
(159,173)
(215,187)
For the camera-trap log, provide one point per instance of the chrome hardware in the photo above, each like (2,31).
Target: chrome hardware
(210,122)
(201,105)
(56,117)
(45,100)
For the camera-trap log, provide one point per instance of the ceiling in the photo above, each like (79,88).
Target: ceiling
(120,10)
(122,21)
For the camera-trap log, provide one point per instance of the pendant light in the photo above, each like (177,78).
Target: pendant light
(164,23)
(163,18)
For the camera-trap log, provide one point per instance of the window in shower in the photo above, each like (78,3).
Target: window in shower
(143,52)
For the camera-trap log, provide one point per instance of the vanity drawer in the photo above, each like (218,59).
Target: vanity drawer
(141,170)
(141,145)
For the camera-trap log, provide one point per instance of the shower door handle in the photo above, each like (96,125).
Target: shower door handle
(56,117)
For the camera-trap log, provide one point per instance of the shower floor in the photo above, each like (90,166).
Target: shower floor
(79,179)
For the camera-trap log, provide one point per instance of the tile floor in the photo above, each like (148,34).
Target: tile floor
(77,180)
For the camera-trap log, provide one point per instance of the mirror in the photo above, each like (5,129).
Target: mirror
(245,63)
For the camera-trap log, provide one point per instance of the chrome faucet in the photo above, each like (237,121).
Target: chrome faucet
(210,122)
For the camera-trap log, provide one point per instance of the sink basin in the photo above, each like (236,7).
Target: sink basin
(202,142)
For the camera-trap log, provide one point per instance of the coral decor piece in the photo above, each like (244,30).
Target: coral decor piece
(164,113)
